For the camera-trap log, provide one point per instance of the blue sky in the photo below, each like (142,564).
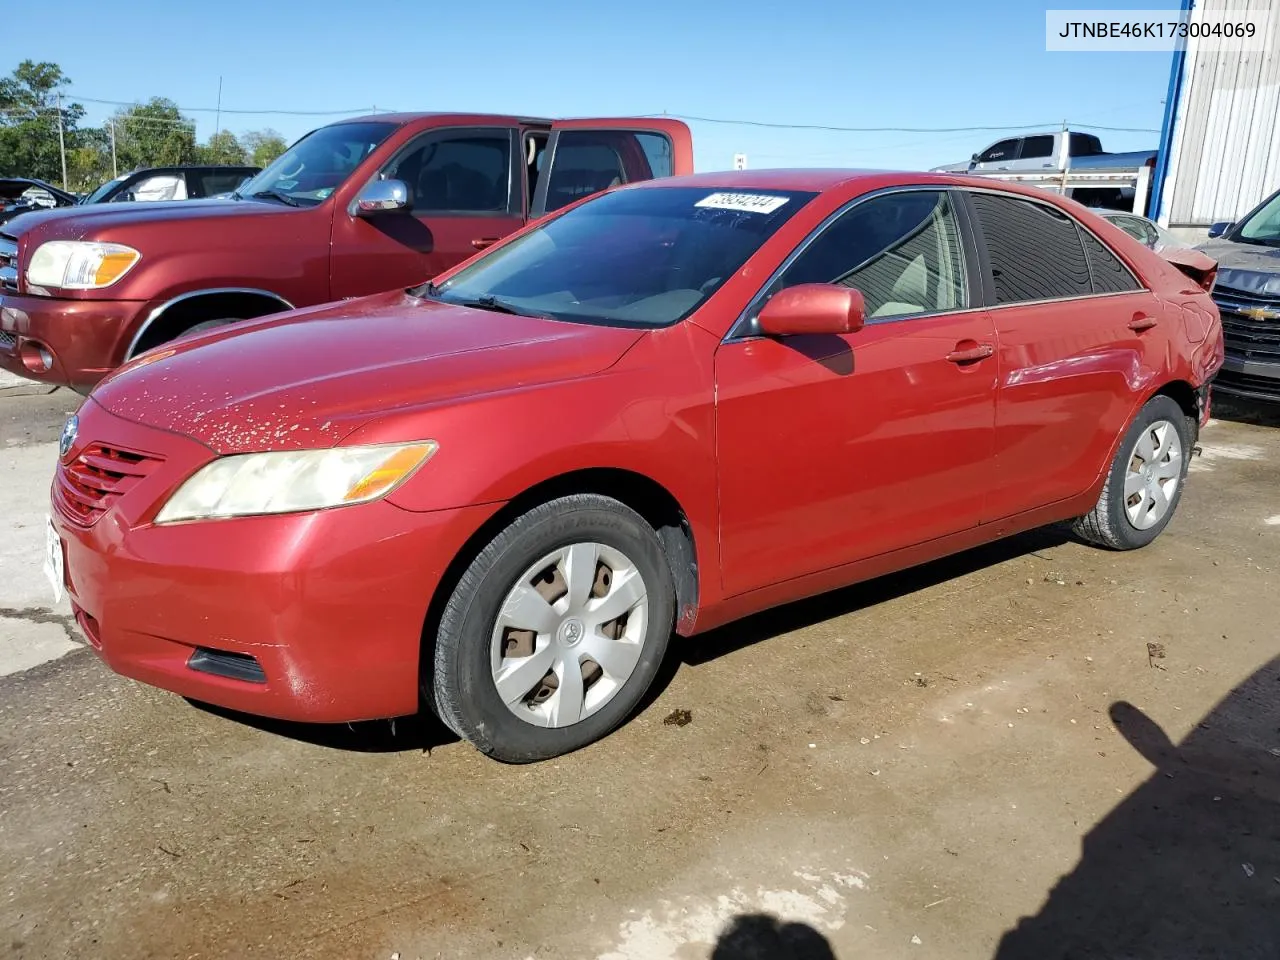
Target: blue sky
(929,63)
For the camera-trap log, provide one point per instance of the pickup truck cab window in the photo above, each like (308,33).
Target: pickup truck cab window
(309,171)
(465,171)
(1004,150)
(1034,148)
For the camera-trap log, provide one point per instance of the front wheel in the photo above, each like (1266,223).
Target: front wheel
(1145,482)
(555,631)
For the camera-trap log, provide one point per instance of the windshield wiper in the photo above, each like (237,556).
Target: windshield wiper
(275,195)
(497,306)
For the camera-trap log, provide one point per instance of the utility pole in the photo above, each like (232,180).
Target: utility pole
(217,124)
(115,169)
(62,144)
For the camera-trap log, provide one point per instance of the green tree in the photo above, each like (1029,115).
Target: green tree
(153,134)
(222,147)
(263,146)
(29,121)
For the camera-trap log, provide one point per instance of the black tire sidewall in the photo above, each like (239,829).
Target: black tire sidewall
(1157,408)
(464,691)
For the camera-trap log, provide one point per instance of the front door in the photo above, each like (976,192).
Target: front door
(838,448)
(1074,326)
(587,156)
(465,189)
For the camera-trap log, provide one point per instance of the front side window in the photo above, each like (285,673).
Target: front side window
(452,173)
(901,250)
(1034,250)
(307,173)
(1034,148)
(1004,150)
(643,257)
(1264,226)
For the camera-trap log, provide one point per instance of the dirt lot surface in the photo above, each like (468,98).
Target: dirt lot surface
(1033,750)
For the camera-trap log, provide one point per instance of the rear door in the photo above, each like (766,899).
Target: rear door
(465,193)
(1076,334)
(584,157)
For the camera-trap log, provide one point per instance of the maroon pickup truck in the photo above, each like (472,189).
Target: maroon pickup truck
(352,208)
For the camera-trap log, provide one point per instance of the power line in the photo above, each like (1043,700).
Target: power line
(1053,125)
(214,110)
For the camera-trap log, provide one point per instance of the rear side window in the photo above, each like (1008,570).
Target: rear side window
(1108,273)
(1034,148)
(1034,250)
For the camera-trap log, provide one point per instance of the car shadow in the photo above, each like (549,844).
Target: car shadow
(421,732)
(761,936)
(1188,865)
(1258,413)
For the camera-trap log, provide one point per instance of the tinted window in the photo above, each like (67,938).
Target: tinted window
(220,182)
(1004,150)
(1034,250)
(641,258)
(309,171)
(458,174)
(588,161)
(1035,147)
(1108,273)
(902,250)
(1085,145)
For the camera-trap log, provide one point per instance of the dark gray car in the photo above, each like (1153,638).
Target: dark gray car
(1248,294)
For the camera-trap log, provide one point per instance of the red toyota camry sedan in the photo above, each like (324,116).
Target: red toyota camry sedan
(659,410)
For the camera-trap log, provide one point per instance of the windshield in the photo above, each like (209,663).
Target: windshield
(1264,226)
(642,258)
(309,171)
(103,190)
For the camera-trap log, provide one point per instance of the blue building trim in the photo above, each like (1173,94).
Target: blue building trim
(1169,125)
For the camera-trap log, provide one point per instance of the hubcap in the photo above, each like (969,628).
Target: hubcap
(569,634)
(1153,474)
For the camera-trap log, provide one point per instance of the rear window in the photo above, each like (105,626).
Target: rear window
(642,258)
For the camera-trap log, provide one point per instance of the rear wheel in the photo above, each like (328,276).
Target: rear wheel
(555,631)
(1145,482)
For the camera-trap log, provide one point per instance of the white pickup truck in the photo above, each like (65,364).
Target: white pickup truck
(1039,157)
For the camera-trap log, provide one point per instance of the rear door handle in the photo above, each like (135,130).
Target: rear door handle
(1141,322)
(483,242)
(967,354)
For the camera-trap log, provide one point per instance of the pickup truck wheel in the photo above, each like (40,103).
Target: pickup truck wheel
(555,631)
(201,327)
(1145,482)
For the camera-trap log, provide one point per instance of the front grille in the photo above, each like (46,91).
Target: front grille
(8,264)
(1248,384)
(86,487)
(1246,337)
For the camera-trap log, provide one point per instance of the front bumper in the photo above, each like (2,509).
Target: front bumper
(83,340)
(1248,379)
(321,613)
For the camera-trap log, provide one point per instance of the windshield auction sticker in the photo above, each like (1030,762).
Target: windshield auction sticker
(743,202)
(1128,31)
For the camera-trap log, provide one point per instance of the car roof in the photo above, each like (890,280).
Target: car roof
(443,119)
(819,179)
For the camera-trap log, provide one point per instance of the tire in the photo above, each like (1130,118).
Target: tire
(202,327)
(1125,522)
(475,651)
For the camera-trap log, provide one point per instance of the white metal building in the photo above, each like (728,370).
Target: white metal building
(1220,144)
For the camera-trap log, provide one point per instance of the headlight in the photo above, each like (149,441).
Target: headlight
(79,264)
(288,482)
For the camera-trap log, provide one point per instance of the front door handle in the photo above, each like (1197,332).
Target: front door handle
(483,242)
(967,351)
(1141,322)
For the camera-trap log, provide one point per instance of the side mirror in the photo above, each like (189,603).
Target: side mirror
(382,196)
(1220,228)
(974,158)
(813,308)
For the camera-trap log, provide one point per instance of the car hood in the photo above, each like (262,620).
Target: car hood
(308,378)
(95,219)
(1246,267)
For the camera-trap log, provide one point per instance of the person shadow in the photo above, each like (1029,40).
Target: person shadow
(761,936)
(1188,865)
